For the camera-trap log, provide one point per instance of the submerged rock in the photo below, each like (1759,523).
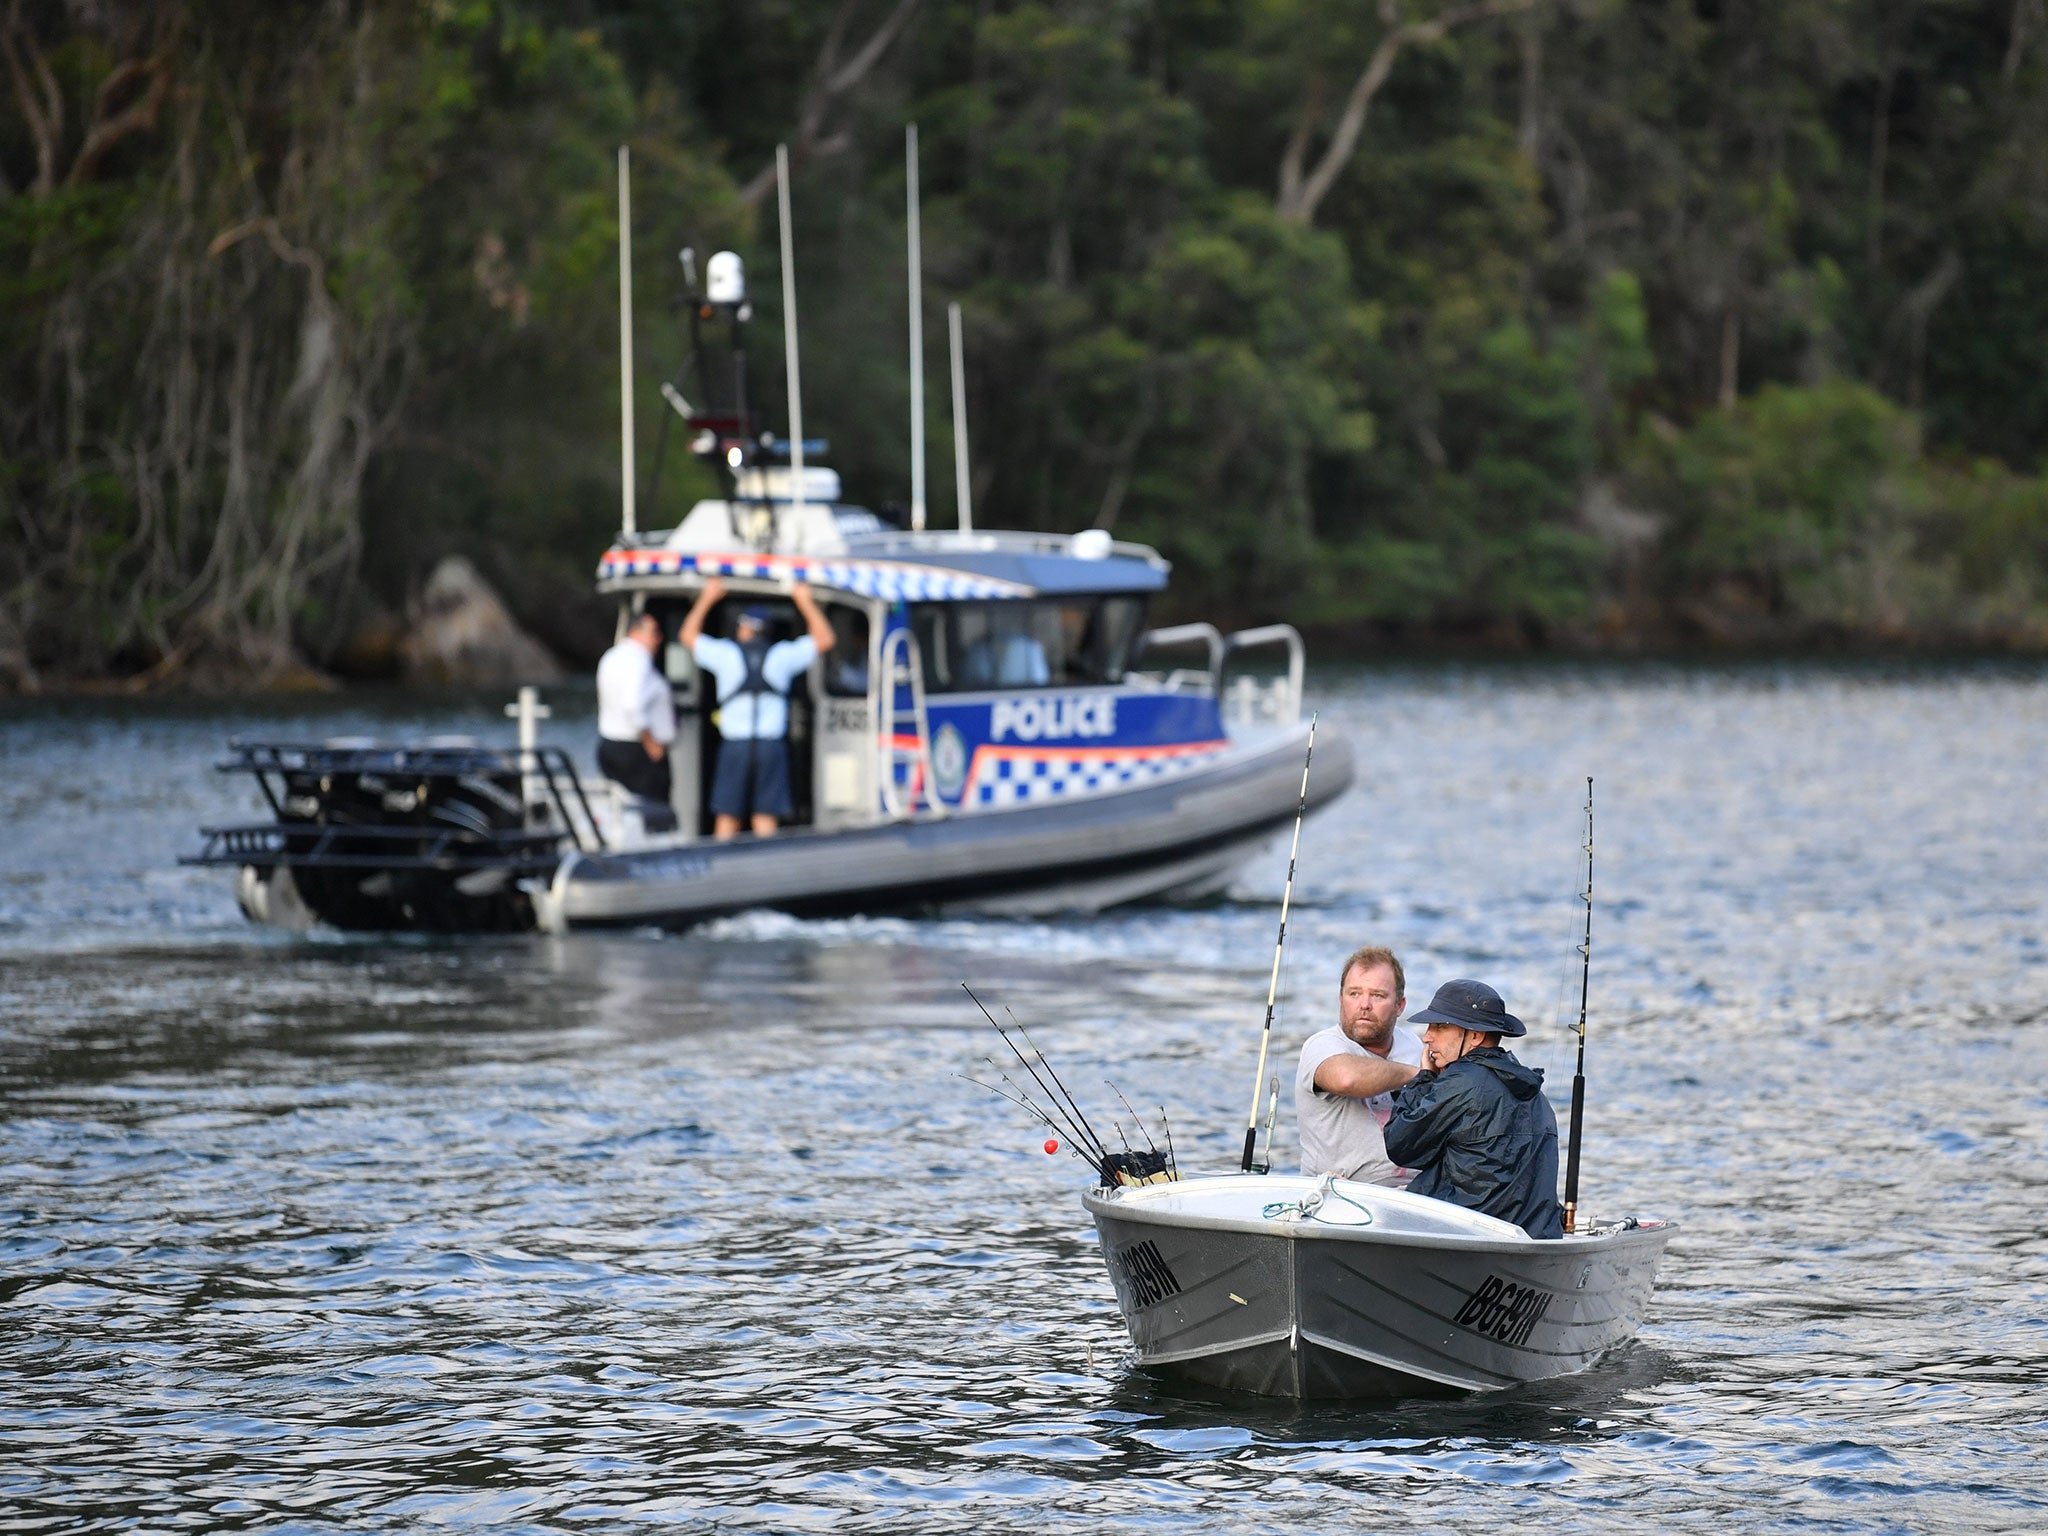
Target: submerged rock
(462,633)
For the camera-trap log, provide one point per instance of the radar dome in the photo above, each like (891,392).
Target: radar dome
(725,279)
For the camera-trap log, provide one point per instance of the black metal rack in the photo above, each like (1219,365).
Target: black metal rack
(407,836)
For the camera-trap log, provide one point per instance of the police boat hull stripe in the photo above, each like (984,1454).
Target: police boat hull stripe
(1374,1292)
(1179,836)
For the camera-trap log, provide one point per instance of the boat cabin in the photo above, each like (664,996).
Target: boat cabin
(970,671)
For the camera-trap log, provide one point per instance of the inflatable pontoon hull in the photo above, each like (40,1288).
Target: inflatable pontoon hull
(1176,838)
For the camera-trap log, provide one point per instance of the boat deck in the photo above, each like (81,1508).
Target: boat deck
(1297,1205)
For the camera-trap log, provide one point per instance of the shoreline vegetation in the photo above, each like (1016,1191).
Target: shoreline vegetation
(1507,326)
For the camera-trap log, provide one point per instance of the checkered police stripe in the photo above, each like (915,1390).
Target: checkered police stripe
(888,580)
(1027,776)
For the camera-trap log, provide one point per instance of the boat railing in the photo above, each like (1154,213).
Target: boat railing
(1246,698)
(549,783)
(1249,700)
(903,666)
(1179,637)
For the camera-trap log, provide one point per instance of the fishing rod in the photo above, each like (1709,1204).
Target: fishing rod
(1022,1104)
(1016,1099)
(1129,1167)
(1136,1119)
(1166,1125)
(1571,1167)
(1046,1062)
(1272,1119)
(1062,1128)
(1035,1078)
(1073,1147)
(1092,1141)
(1089,1142)
(1251,1128)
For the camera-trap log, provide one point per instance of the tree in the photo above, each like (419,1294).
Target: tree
(1303,187)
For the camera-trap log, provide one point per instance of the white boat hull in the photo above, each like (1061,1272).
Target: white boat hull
(1375,1293)
(1178,837)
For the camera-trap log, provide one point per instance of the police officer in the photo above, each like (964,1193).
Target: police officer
(753,679)
(636,721)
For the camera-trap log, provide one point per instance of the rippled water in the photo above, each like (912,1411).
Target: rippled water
(703,1231)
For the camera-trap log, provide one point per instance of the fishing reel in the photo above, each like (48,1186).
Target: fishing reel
(1130,1169)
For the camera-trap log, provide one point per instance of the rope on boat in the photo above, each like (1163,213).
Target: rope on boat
(1308,1205)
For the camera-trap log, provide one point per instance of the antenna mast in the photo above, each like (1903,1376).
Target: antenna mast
(796,392)
(916,333)
(1571,1169)
(626,470)
(961,489)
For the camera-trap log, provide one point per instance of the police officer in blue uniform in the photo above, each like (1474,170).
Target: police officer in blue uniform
(753,678)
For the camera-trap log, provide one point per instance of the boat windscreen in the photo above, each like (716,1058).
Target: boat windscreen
(975,647)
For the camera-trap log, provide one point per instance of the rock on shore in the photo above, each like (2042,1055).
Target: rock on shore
(462,633)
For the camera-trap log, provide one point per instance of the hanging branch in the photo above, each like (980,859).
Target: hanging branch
(127,102)
(1300,195)
(830,81)
(109,126)
(36,94)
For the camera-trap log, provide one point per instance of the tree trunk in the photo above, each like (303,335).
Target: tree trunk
(1880,154)
(830,82)
(1731,356)
(1300,195)
(1918,312)
(1529,131)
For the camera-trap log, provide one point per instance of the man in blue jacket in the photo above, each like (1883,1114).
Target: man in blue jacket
(1474,1124)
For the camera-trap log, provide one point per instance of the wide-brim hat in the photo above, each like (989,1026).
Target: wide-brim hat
(1469,1005)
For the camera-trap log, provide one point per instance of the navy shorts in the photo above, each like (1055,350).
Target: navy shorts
(752,778)
(627,763)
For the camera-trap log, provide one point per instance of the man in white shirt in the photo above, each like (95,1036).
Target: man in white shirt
(753,680)
(636,720)
(1344,1084)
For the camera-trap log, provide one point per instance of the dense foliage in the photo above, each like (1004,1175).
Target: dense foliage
(1566,321)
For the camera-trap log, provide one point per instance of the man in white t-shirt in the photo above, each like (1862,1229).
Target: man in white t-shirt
(1344,1084)
(753,680)
(636,720)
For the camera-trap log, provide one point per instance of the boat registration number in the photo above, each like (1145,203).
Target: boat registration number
(1146,1275)
(1502,1310)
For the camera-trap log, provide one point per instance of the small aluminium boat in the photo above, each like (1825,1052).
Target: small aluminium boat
(1317,1286)
(1289,1286)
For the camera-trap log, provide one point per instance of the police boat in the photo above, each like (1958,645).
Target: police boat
(995,728)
